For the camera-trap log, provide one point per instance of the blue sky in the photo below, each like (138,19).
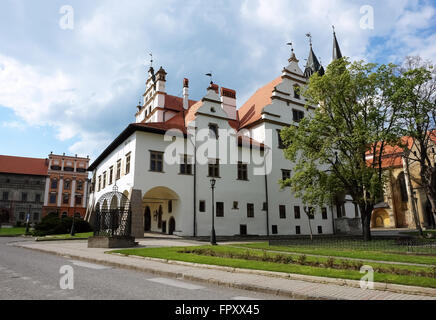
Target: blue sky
(73,91)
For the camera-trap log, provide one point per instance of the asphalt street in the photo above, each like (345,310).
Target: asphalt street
(32,275)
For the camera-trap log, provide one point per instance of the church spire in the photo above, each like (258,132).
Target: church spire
(313,64)
(337,54)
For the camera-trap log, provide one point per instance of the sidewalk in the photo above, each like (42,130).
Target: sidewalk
(293,286)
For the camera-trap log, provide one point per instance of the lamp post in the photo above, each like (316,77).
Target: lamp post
(27,220)
(213,235)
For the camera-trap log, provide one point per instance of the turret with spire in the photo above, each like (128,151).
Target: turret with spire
(337,54)
(313,64)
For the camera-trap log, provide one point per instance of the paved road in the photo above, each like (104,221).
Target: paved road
(28,275)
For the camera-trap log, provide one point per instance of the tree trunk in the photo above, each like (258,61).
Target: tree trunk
(428,178)
(366,222)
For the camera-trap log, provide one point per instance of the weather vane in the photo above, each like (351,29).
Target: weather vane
(151,60)
(291,45)
(309,35)
(210,76)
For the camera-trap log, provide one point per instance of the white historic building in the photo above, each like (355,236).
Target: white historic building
(165,161)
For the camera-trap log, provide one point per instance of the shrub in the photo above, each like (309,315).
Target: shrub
(330,263)
(302,259)
(53,225)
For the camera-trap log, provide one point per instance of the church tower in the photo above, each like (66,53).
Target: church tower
(337,54)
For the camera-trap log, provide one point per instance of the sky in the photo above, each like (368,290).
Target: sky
(72,73)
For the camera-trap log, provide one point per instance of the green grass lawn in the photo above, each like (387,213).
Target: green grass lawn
(11,232)
(65,236)
(347,253)
(176,254)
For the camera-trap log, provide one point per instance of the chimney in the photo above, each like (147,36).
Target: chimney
(185,94)
(228,102)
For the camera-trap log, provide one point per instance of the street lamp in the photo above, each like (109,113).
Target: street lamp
(213,235)
(74,216)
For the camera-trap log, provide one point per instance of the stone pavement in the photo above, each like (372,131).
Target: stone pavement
(282,284)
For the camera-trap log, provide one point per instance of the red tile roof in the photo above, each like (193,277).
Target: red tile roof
(176,103)
(251,111)
(19,165)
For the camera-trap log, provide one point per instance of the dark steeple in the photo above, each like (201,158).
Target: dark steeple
(337,54)
(313,64)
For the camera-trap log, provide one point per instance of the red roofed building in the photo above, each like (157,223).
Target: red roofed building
(22,184)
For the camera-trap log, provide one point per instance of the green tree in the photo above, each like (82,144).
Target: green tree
(339,147)
(418,119)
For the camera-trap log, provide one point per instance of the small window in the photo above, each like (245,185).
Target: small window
(242,171)
(282,212)
(67,185)
(310,213)
(186,165)
(264,206)
(220,209)
(324,213)
(24,196)
(297,92)
(213,130)
(118,174)
(111,175)
(54,183)
(250,210)
(78,200)
(79,186)
(104,179)
(156,161)
(53,198)
(5,195)
(280,140)
(128,163)
(66,199)
(235,205)
(243,230)
(297,230)
(297,212)
(297,115)
(286,174)
(319,230)
(99,183)
(214,169)
(35,216)
(275,230)
(202,206)
(22,216)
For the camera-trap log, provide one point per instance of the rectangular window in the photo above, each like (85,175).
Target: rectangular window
(111,175)
(202,206)
(214,169)
(170,206)
(66,199)
(79,186)
(286,174)
(297,115)
(213,130)
(242,171)
(297,92)
(275,230)
(280,140)
(250,210)
(235,205)
(53,198)
(54,183)
(104,179)
(319,230)
(118,174)
(99,183)
(128,163)
(186,165)
(297,212)
(78,200)
(67,185)
(282,212)
(220,209)
(297,230)
(22,216)
(264,206)
(324,213)
(5,195)
(356,210)
(24,196)
(35,216)
(156,161)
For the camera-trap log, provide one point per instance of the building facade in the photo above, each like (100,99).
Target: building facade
(66,186)
(166,160)
(22,185)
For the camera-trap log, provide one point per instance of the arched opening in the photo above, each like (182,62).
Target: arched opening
(163,204)
(147,219)
(171,226)
(381,219)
